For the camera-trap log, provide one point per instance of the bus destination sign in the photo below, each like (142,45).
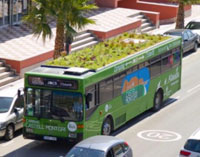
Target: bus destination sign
(50,82)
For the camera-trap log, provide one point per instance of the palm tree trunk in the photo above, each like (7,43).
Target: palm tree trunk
(180,16)
(59,41)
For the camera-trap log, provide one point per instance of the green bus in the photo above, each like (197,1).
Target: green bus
(73,103)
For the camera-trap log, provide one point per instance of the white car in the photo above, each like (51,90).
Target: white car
(192,146)
(11,110)
(194,26)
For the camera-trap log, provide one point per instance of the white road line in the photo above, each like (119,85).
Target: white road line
(7,143)
(194,88)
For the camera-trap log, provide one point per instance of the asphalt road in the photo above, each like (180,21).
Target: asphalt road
(159,134)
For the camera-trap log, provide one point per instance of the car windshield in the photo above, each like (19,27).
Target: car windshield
(79,151)
(54,104)
(193,145)
(5,103)
(193,25)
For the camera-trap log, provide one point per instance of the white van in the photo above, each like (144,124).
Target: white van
(11,110)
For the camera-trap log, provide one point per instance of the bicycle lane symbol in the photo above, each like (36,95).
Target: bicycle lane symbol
(159,135)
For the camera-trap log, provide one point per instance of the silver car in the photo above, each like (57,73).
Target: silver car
(101,146)
(189,39)
(11,111)
(194,26)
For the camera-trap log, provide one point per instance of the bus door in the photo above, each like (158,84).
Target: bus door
(92,122)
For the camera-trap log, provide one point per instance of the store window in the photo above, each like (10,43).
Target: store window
(12,11)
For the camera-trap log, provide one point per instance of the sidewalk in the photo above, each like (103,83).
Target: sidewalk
(163,28)
(13,85)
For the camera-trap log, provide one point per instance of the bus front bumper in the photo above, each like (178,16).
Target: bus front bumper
(51,138)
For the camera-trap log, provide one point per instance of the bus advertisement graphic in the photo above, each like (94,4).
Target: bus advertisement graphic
(135,85)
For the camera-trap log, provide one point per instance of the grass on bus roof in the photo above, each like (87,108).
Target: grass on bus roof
(108,51)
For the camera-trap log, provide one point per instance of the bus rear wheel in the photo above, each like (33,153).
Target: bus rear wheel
(158,100)
(107,127)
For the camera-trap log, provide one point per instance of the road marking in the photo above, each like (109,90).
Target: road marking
(159,135)
(194,88)
(7,143)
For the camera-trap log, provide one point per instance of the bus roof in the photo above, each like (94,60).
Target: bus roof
(110,69)
(74,72)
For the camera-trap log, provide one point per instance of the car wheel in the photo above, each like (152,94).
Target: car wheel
(158,99)
(195,47)
(107,127)
(9,132)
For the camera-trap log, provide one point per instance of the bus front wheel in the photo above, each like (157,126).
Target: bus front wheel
(107,127)
(158,99)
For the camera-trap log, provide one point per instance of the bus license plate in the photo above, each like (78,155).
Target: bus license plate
(50,138)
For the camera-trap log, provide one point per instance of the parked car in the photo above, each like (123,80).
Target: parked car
(11,111)
(189,39)
(192,146)
(194,26)
(101,146)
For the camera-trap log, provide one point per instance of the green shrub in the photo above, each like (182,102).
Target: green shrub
(108,51)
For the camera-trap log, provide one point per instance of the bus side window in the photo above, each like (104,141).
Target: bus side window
(106,90)
(176,56)
(118,83)
(166,58)
(155,66)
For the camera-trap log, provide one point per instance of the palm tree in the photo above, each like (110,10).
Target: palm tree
(181,11)
(67,13)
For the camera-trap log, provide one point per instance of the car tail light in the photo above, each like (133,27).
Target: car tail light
(185,153)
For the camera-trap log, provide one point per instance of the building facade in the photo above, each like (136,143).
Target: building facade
(11,11)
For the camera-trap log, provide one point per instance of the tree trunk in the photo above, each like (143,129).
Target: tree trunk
(180,16)
(59,41)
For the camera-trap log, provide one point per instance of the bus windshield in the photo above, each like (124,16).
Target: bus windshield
(60,105)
